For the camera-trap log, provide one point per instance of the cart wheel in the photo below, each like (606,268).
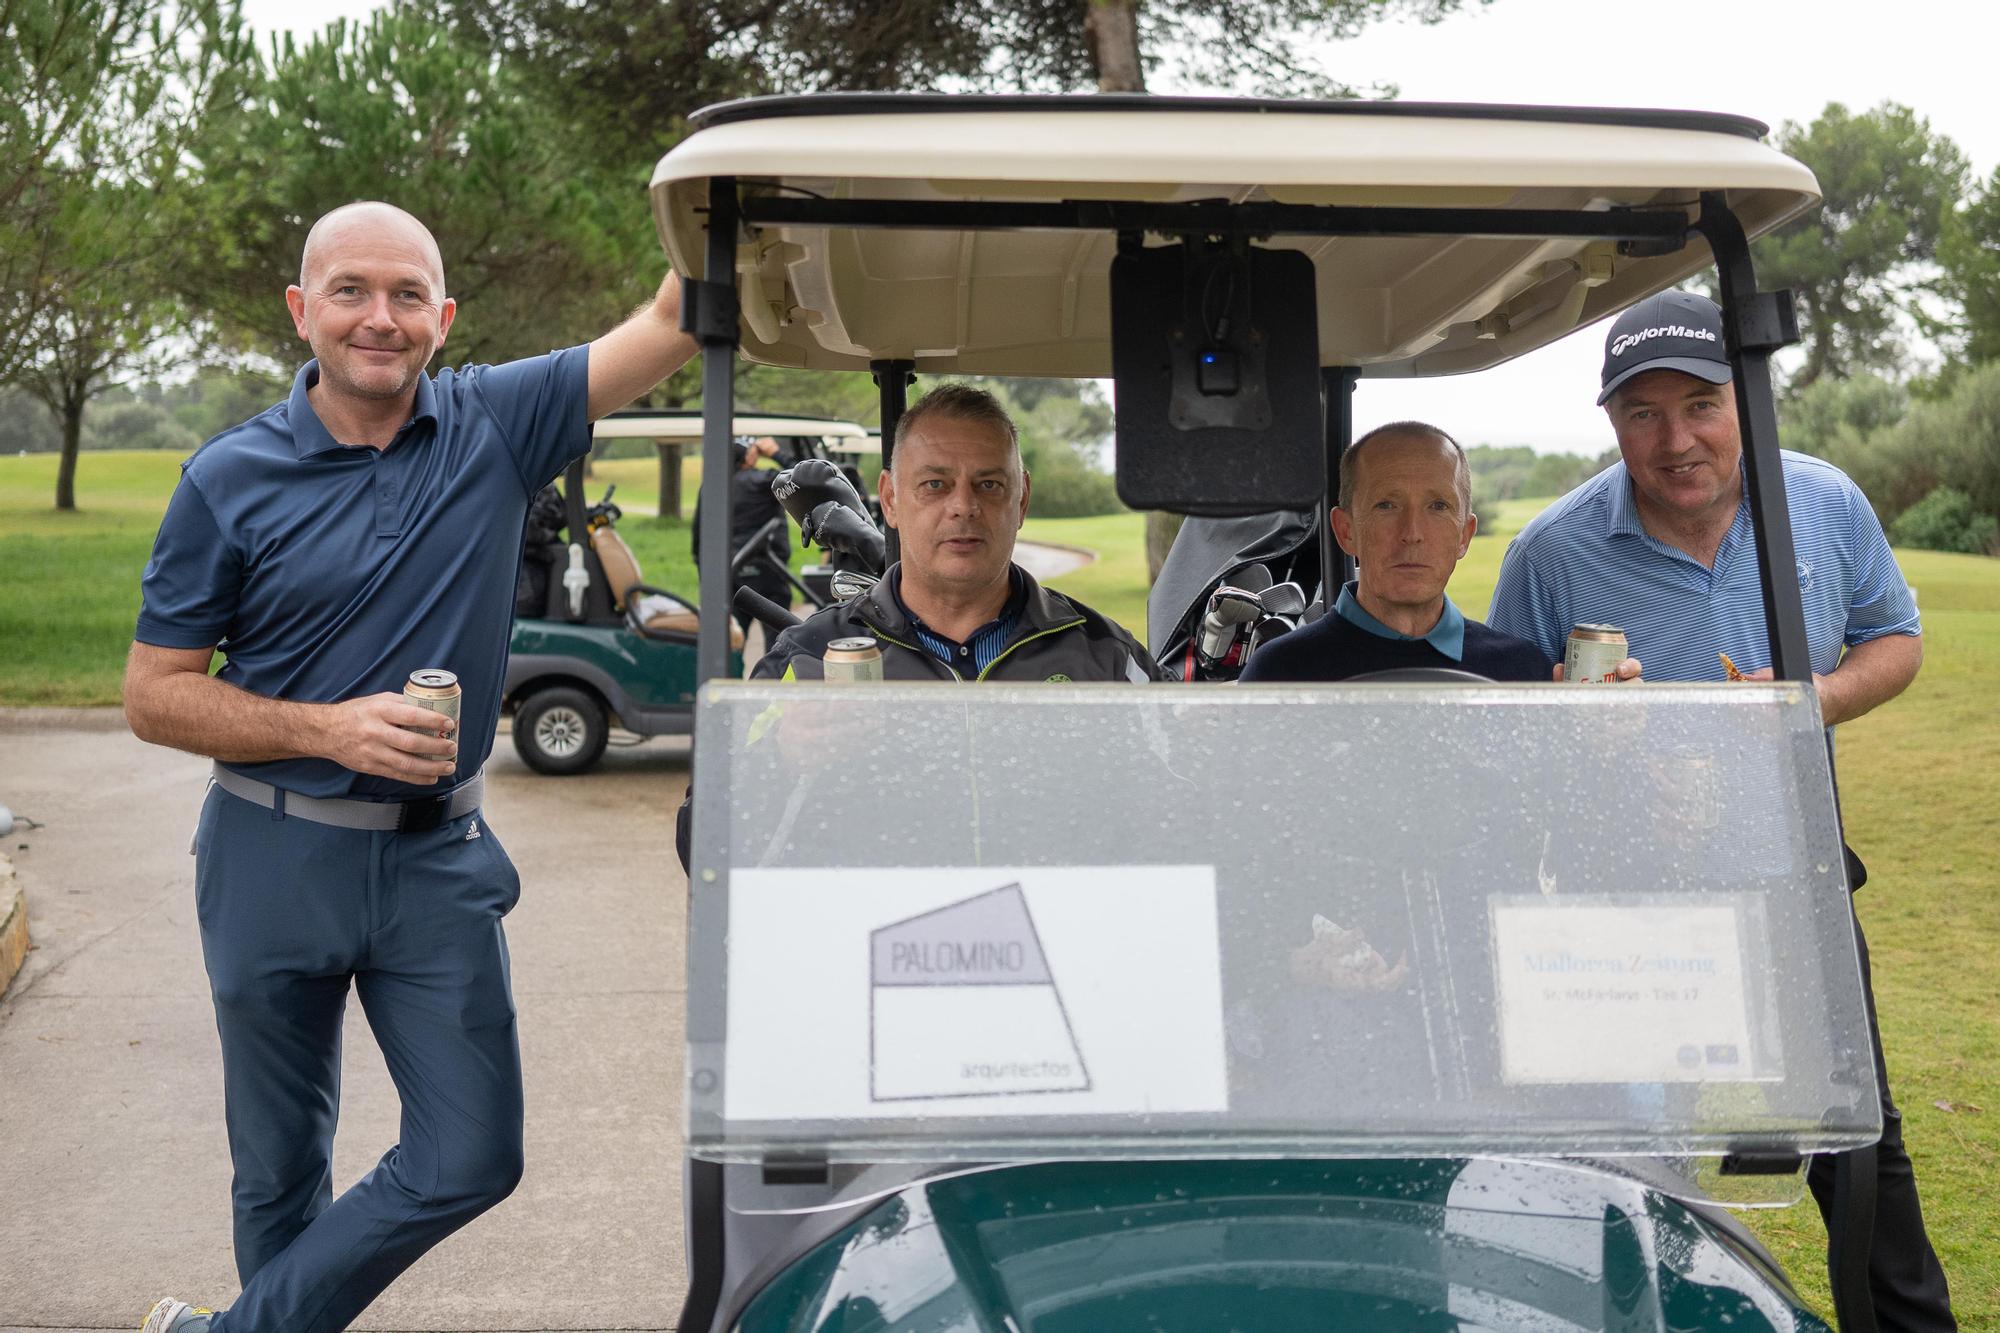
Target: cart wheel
(560,730)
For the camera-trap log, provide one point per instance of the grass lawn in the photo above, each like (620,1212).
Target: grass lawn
(69,583)
(1922,797)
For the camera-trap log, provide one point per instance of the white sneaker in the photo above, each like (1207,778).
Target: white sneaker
(172,1316)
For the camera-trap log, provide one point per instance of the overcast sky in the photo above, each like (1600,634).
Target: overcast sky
(1771,61)
(1760,58)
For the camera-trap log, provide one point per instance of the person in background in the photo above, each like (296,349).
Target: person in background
(751,507)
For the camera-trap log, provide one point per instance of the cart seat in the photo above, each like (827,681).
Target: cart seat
(621,572)
(621,567)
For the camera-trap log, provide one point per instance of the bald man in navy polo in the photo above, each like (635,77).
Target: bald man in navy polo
(366,527)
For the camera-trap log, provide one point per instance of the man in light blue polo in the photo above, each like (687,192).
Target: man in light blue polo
(367,527)
(1661,544)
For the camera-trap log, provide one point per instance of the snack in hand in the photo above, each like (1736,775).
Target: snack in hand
(1343,960)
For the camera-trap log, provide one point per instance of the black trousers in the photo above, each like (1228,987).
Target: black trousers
(1904,1275)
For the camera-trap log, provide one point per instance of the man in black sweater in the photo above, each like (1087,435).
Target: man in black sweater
(1405,515)
(751,506)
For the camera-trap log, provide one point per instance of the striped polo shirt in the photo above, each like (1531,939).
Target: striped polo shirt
(1587,559)
(987,642)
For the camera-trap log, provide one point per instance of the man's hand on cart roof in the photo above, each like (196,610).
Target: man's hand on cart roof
(639,353)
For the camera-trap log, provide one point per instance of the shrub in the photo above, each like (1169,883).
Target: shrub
(1951,442)
(1831,418)
(133,424)
(1946,520)
(1066,485)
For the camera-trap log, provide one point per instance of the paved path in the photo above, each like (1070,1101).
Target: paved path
(114,1173)
(1046,562)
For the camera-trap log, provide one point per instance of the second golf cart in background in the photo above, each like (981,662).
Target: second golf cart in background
(595,645)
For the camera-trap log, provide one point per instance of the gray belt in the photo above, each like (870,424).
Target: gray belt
(418,816)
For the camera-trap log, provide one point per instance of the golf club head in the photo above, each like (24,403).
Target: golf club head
(1251,578)
(1284,599)
(851,583)
(1267,629)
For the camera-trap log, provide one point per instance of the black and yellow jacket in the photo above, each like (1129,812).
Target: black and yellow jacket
(1055,639)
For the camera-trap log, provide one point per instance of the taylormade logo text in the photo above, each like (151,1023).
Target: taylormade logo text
(1625,342)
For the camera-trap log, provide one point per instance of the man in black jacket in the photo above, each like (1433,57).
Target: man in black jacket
(957,607)
(751,507)
(1405,515)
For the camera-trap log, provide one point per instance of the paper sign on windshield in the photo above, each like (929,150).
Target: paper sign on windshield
(976,964)
(1594,992)
(886,993)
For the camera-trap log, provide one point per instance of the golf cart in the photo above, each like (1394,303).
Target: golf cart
(1062,1007)
(593,644)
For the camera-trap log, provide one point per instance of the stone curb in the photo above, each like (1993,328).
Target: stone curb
(13,924)
(110,718)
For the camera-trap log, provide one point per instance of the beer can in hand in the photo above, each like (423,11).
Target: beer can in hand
(436,690)
(1594,654)
(855,659)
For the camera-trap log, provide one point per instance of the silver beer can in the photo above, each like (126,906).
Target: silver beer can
(1594,654)
(435,689)
(855,659)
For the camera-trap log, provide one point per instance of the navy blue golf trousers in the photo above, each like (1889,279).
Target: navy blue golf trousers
(291,912)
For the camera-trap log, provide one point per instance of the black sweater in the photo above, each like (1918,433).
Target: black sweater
(1335,648)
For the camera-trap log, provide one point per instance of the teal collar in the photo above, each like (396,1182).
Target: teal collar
(1447,636)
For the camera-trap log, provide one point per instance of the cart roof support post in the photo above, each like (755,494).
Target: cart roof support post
(708,311)
(1754,325)
(893,378)
(1336,566)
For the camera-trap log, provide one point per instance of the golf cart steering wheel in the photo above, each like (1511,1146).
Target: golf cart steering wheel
(1418,675)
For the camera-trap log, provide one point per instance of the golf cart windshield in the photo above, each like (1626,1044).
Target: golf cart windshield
(949,924)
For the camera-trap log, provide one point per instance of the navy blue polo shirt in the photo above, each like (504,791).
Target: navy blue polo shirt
(327,571)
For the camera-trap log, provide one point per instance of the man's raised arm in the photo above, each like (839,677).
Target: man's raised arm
(639,353)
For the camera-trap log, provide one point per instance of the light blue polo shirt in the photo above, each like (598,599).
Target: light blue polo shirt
(1447,636)
(1587,559)
(328,571)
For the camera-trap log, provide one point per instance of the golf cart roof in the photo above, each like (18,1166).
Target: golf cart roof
(964,297)
(647,424)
